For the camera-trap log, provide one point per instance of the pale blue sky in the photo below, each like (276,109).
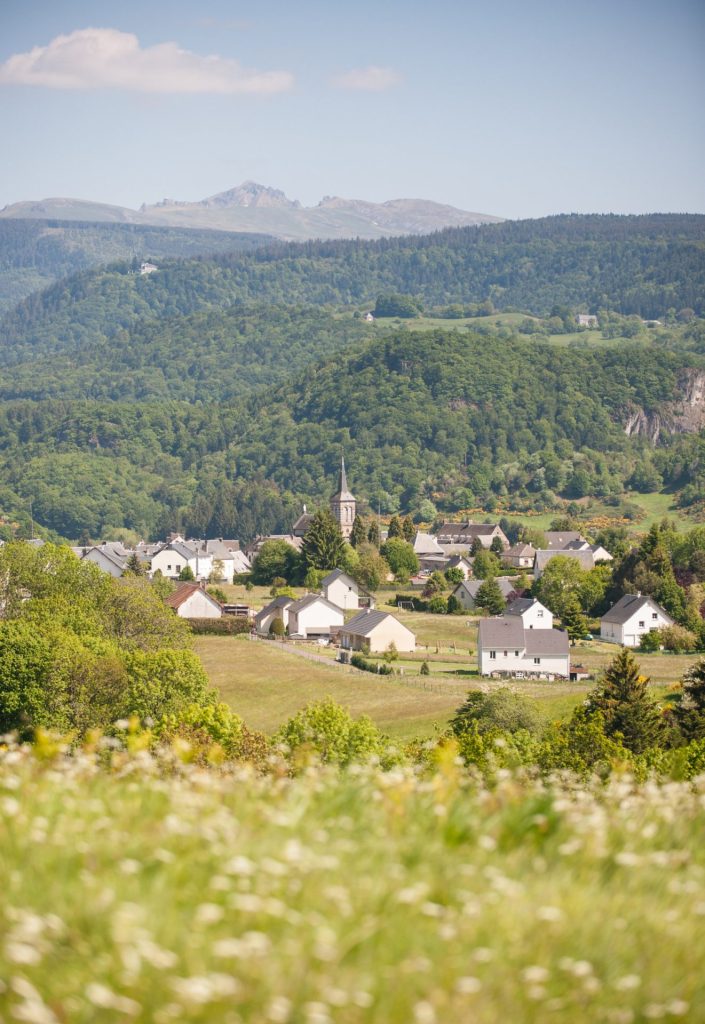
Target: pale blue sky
(518,108)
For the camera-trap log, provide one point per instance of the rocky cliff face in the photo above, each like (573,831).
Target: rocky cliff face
(684,415)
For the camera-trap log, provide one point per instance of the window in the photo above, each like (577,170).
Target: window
(537,661)
(641,624)
(539,613)
(504,653)
(168,567)
(516,654)
(493,654)
(654,615)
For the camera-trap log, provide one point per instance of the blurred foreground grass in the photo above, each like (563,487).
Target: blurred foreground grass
(212,895)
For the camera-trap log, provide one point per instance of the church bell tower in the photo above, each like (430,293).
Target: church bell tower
(342,503)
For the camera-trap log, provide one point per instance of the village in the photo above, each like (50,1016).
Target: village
(511,634)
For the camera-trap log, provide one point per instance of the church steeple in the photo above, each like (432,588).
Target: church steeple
(342,503)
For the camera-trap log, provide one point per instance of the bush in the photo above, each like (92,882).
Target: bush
(438,605)
(425,670)
(277,628)
(332,733)
(454,607)
(378,667)
(501,710)
(228,625)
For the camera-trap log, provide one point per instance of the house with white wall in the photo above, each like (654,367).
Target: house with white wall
(532,613)
(314,616)
(631,618)
(374,631)
(276,609)
(505,649)
(343,591)
(190,601)
(466,592)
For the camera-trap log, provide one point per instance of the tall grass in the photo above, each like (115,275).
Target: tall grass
(153,891)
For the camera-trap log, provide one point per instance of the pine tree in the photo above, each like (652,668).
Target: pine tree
(323,546)
(622,700)
(408,529)
(373,535)
(476,547)
(133,566)
(690,711)
(358,534)
(497,546)
(574,621)
(395,528)
(490,597)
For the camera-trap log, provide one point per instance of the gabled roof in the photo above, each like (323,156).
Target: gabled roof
(366,621)
(184,592)
(522,604)
(336,575)
(507,631)
(469,530)
(472,586)
(279,602)
(558,539)
(426,544)
(586,559)
(520,551)
(630,605)
(546,641)
(308,600)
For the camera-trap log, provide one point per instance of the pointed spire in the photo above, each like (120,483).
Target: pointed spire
(342,480)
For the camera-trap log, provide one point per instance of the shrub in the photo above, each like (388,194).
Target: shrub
(438,605)
(227,625)
(277,627)
(329,730)
(366,665)
(425,670)
(501,710)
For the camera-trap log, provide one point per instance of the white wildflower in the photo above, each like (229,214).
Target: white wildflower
(424,1013)
(549,914)
(535,974)
(205,988)
(208,913)
(677,1008)
(129,866)
(654,1011)
(483,954)
(627,982)
(106,999)
(468,986)
(21,953)
(279,1010)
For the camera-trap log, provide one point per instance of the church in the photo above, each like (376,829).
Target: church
(342,506)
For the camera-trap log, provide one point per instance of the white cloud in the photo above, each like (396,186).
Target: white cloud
(371,79)
(94,58)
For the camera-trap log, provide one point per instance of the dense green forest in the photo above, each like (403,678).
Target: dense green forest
(210,397)
(35,253)
(429,421)
(632,265)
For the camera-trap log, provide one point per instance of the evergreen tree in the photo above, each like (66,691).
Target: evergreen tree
(623,701)
(359,533)
(485,564)
(395,528)
(323,546)
(690,711)
(133,566)
(373,534)
(408,529)
(574,621)
(497,546)
(476,547)
(490,597)
(186,575)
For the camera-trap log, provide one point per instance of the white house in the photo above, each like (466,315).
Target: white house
(520,556)
(506,649)
(466,592)
(561,539)
(173,557)
(110,556)
(375,631)
(631,618)
(148,268)
(586,320)
(532,613)
(314,616)
(190,601)
(276,609)
(466,533)
(343,591)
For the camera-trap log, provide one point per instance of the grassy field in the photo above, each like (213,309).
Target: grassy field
(201,897)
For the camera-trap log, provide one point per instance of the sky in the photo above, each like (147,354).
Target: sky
(517,108)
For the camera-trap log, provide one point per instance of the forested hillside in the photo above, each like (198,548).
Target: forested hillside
(209,397)
(640,265)
(438,420)
(35,253)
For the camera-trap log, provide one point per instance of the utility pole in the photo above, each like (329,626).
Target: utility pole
(31,520)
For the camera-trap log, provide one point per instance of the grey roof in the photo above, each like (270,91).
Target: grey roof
(469,530)
(578,545)
(508,631)
(343,493)
(333,576)
(366,621)
(309,599)
(472,586)
(278,602)
(629,605)
(521,604)
(520,550)
(546,641)
(557,539)
(585,558)
(501,632)
(426,544)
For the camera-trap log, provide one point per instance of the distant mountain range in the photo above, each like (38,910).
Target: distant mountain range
(251,207)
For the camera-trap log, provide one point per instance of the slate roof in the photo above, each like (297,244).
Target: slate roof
(521,604)
(309,599)
(508,631)
(586,559)
(366,621)
(472,586)
(629,605)
(467,530)
(426,544)
(520,551)
(279,602)
(335,575)
(558,539)
(343,493)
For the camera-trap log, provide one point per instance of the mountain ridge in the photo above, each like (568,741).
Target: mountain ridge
(252,207)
